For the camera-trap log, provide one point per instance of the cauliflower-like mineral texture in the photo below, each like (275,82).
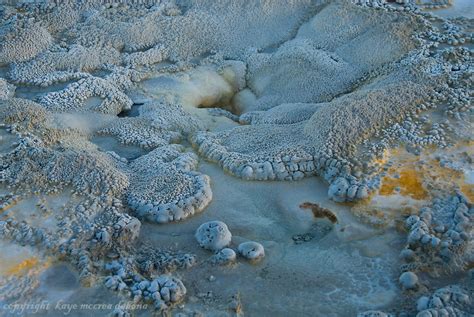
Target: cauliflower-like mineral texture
(6,90)
(169,191)
(23,43)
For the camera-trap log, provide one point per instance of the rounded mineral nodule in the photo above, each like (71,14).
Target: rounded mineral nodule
(224,256)
(251,250)
(213,235)
(409,280)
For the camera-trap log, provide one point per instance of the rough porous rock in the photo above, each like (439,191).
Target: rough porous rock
(88,94)
(408,280)
(251,250)
(23,43)
(140,131)
(213,235)
(224,257)
(452,300)
(169,191)
(63,64)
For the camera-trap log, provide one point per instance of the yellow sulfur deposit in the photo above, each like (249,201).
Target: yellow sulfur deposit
(410,183)
(23,266)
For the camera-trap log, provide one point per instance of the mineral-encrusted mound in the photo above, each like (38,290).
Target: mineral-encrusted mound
(140,131)
(64,64)
(213,235)
(88,94)
(251,250)
(164,187)
(22,43)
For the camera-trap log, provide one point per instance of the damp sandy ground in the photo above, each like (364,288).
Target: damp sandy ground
(332,274)
(341,270)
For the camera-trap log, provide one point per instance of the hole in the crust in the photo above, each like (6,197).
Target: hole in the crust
(218,100)
(228,106)
(202,87)
(132,112)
